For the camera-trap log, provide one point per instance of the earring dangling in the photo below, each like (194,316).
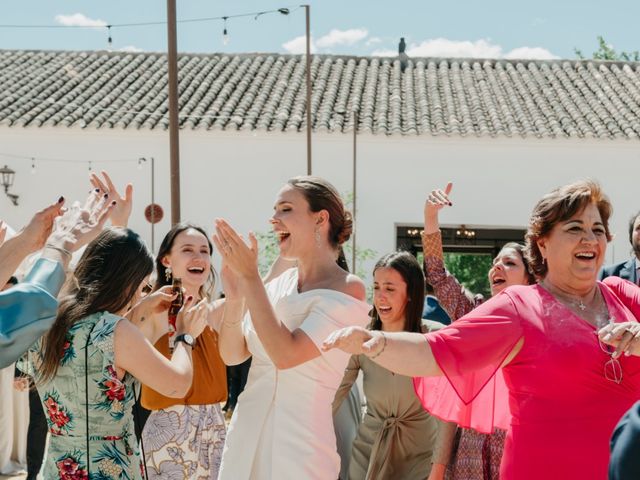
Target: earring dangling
(167,274)
(318,239)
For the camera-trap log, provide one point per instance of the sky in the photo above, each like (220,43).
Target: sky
(541,29)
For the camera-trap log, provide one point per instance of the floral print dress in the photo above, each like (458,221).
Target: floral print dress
(112,447)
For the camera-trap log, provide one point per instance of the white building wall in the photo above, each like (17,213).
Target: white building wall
(236,175)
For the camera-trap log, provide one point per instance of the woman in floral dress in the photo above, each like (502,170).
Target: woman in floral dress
(85,366)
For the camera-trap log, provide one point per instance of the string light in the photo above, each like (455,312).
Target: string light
(90,168)
(33,166)
(225,34)
(140,160)
(109,40)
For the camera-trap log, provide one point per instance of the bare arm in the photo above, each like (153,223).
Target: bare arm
(231,342)
(133,353)
(285,348)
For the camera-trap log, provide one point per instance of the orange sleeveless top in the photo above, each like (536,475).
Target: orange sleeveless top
(209,375)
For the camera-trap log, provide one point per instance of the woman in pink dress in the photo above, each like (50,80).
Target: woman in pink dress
(566,387)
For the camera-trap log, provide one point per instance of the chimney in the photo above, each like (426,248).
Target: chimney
(402,56)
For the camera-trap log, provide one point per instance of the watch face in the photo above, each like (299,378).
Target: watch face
(189,339)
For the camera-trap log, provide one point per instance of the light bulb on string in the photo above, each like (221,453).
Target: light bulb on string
(90,168)
(225,34)
(109,39)
(140,160)
(33,166)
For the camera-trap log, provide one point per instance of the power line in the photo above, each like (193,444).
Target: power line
(282,10)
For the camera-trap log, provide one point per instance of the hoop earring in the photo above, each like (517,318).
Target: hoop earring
(167,274)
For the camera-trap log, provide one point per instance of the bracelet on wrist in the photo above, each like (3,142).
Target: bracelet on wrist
(62,250)
(384,345)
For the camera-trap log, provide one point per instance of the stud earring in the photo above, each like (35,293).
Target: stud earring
(167,274)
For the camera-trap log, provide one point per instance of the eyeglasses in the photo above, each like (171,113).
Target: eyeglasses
(612,368)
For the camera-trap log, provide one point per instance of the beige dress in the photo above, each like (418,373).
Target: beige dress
(396,437)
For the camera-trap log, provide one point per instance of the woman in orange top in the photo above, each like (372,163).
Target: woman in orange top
(185,437)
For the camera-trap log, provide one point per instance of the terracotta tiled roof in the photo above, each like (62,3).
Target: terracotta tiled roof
(456,97)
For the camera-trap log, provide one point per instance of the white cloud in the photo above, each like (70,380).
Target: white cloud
(79,20)
(533,53)
(384,53)
(298,45)
(483,48)
(342,37)
(130,48)
(441,47)
(373,41)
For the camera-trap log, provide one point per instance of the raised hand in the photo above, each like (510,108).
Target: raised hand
(35,234)
(192,318)
(241,258)
(122,210)
(79,225)
(436,201)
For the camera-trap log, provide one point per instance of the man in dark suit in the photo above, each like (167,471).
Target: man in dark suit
(625,447)
(629,269)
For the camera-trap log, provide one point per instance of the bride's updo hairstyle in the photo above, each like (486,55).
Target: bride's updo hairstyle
(321,195)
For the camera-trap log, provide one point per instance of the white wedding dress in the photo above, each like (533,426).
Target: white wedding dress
(282,426)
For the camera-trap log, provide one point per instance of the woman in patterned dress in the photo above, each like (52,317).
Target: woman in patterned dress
(85,366)
(478,454)
(186,434)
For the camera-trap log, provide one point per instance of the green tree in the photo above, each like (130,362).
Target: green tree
(607,52)
(471,270)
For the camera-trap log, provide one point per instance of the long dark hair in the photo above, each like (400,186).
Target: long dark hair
(106,279)
(206,291)
(408,267)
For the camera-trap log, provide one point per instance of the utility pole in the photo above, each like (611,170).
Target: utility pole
(307,11)
(174,120)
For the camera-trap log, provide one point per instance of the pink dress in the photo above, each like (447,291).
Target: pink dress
(553,397)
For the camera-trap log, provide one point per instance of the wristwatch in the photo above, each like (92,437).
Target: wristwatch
(186,338)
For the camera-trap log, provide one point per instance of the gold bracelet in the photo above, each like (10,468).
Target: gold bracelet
(384,345)
(233,324)
(62,250)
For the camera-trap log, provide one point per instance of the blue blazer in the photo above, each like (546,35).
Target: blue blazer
(626,270)
(28,310)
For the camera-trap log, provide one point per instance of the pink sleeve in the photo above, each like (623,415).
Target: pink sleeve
(627,292)
(472,392)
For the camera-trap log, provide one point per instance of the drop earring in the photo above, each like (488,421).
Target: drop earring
(167,274)
(317,235)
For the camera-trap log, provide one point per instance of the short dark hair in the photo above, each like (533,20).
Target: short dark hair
(558,206)
(632,222)
(408,267)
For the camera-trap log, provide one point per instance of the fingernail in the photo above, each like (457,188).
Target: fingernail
(97,190)
(105,195)
(627,354)
(61,199)
(450,204)
(113,203)
(189,298)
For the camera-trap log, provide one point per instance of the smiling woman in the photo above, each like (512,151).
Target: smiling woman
(552,373)
(191,427)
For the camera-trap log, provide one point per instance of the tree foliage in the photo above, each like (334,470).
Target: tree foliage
(607,52)
(471,270)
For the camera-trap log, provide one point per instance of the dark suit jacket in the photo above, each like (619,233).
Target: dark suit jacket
(625,447)
(626,270)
